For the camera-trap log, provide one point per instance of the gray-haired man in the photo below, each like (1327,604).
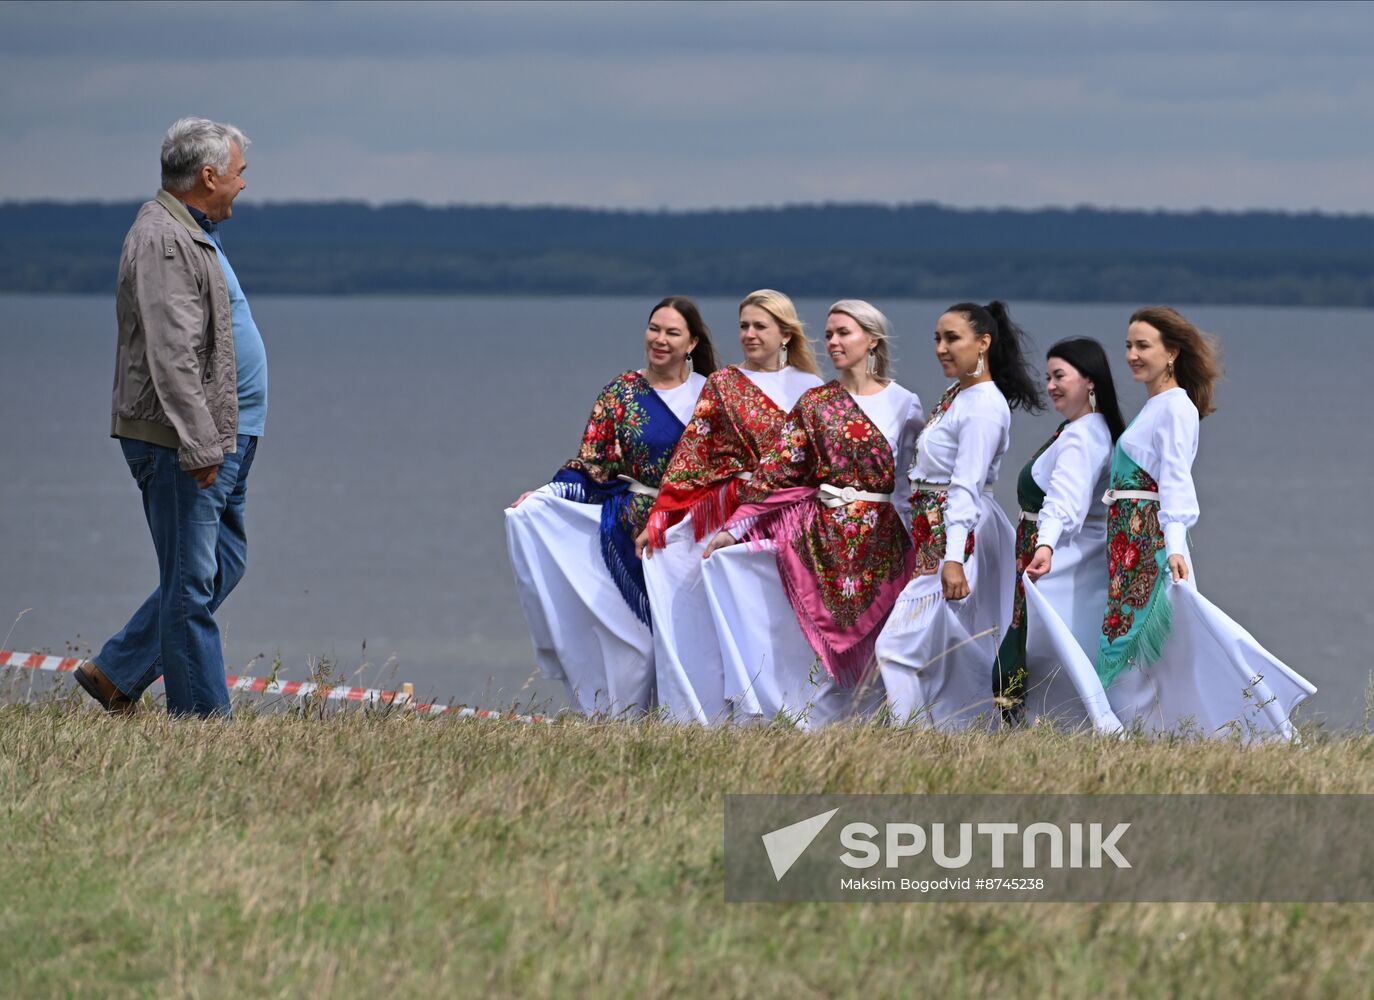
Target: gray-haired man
(190,401)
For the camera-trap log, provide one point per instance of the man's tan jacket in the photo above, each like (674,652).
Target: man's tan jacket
(176,380)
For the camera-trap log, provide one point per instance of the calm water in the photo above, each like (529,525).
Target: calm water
(400,428)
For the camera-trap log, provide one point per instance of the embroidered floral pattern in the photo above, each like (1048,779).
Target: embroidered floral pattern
(859,431)
(942,406)
(793,442)
(851,550)
(928,508)
(928,531)
(616,443)
(1031,498)
(852,553)
(631,432)
(613,438)
(1026,536)
(1136,540)
(733,424)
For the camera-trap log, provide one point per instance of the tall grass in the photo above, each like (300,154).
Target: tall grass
(357,855)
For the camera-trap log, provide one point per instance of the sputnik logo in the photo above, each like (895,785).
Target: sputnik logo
(786,845)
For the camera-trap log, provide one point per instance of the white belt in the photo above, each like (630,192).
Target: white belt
(746,476)
(840,496)
(637,487)
(926,486)
(1091,518)
(1112,496)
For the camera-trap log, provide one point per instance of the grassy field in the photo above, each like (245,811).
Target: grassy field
(355,856)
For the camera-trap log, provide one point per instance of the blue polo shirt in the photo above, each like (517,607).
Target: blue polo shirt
(250,354)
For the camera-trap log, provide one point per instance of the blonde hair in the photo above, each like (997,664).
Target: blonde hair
(780,307)
(872,322)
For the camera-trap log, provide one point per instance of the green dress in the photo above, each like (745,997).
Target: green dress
(1009,669)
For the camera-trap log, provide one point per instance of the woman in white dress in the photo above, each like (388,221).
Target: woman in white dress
(738,417)
(571,543)
(1168,658)
(950,618)
(798,608)
(1061,541)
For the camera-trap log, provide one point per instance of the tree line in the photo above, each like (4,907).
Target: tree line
(915,251)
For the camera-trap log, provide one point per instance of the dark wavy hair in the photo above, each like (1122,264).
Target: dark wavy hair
(704,354)
(1090,358)
(1198,366)
(1011,373)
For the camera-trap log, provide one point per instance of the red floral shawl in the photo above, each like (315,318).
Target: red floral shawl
(734,424)
(842,567)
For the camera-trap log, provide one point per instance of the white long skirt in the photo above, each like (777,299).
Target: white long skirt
(584,633)
(687,661)
(1064,612)
(770,670)
(935,655)
(1212,678)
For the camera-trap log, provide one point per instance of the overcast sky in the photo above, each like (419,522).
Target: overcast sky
(1222,105)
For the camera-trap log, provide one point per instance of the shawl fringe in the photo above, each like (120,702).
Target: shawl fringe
(783,527)
(846,666)
(628,579)
(783,524)
(708,508)
(920,610)
(1146,646)
(576,492)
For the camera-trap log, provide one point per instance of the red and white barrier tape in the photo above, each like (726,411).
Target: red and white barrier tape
(292,689)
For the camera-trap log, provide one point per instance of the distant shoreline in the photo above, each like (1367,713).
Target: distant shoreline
(100,294)
(872,251)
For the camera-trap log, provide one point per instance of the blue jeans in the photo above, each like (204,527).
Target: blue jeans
(202,552)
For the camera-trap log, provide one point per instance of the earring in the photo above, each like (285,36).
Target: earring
(1092,400)
(689,366)
(873,361)
(977,371)
(782,356)
(1169,369)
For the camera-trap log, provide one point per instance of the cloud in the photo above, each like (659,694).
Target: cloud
(692,105)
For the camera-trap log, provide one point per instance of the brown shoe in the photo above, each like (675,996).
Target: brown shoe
(102,689)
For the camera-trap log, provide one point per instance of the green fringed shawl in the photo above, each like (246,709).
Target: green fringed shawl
(1139,614)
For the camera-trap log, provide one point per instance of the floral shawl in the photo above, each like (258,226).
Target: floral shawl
(631,432)
(1009,669)
(1031,498)
(928,531)
(734,424)
(1139,616)
(842,567)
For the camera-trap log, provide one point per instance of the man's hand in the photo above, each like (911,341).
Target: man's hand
(205,478)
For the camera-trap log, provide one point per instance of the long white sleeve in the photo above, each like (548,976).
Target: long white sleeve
(911,430)
(1080,459)
(1175,442)
(980,440)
